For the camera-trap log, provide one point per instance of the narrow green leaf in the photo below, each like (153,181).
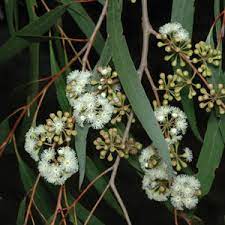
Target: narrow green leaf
(216,13)
(189,110)
(106,55)
(38,27)
(183,12)
(218,76)
(9,10)
(211,154)
(85,23)
(30,8)
(59,83)
(21,212)
(33,73)
(131,82)
(80,145)
(28,178)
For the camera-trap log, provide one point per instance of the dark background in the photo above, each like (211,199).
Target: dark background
(14,75)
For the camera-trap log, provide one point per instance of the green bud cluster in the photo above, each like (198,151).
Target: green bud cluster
(175,48)
(110,144)
(184,79)
(121,108)
(68,129)
(175,83)
(179,160)
(108,82)
(167,84)
(213,98)
(206,55)
(109,86)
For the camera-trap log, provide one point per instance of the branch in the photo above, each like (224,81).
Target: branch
(93,36)
(31,200)
(147,31)
(96,205)
(58,206)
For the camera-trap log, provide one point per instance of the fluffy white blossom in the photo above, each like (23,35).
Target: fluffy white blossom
(174,30)
(173,123)
(32,139)
(187,154)
(93,109)
(76,83)
(182,35)
(145,158)
(56,166)
(169,28)
(185,191)
(156,184)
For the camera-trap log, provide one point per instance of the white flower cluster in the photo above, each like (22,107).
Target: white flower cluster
(56,166)
(156,184)
(88,107)
(56,163)
(188,155)
(76,83)
(93,109)
(32,141)
(144,159)
(173,123)
(174,30)
(184,192)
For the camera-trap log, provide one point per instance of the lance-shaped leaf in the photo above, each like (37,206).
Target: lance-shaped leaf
(9,11)
(80,145)
(211,154)
(33,57)
(21,212)
(59,83)
(28,177)
(132,84)
(183,12)
(38,27)
(189,109)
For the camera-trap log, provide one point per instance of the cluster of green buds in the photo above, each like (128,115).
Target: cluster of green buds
(205,55)
(132,147)
(109,86)
(108,82)
(60,127)
(215,97)
(110,144)
(167,84)
(173,84)
(184,79)
(121,107)
(175,49)
(179,160)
